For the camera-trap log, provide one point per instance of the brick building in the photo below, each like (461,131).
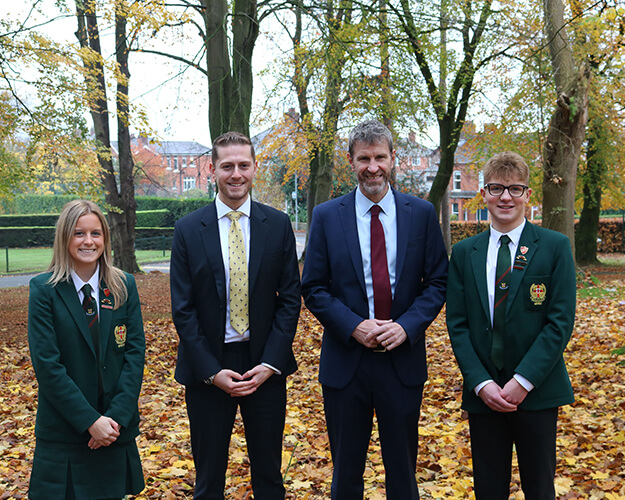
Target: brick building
(169,168)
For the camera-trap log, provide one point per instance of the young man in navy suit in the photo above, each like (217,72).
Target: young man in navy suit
(374,276)
(235,294)
(510,315)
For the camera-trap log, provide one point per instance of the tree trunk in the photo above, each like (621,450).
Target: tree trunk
(588,225)
(445,221)
(229,86)
(217,64)
(123,224)
(567,127)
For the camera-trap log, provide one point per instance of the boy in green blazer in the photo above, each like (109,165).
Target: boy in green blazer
(510,315)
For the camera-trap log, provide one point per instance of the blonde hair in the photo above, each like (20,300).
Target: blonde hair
(506,165)
(62,263)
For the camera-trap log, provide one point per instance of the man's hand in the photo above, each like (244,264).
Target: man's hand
(389,335)
(104,431)
(238,385)
(491,394)
(513,392)
(363,330)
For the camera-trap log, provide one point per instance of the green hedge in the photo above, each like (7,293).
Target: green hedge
(22,237)
(53,204)
(145,218)
(610,234)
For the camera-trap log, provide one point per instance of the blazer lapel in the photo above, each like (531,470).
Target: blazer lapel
(528,244)
(478,259)
(258,237)
(347,216)
(69,296)
(404,214)
(212,247)
(106,314)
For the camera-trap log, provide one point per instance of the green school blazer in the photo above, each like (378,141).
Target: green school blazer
(64,360)
(540,315)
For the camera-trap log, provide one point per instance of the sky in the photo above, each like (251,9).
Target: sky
(174,96)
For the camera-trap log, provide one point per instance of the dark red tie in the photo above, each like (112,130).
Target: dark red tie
(382,296)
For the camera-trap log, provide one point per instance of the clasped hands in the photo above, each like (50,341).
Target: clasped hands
(505,399)
(104,432)
(238,385)
(374,333)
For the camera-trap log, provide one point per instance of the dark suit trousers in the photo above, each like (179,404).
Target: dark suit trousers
(211,417)
(534,435)
(349,417)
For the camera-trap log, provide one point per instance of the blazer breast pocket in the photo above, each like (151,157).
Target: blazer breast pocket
(118,343)
(536,292)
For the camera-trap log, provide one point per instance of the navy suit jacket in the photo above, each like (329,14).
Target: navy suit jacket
(333,285)
(198,292)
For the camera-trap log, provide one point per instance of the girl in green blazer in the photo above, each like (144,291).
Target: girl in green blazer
(87,346)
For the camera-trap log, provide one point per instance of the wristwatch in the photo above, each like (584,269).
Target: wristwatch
(210,380)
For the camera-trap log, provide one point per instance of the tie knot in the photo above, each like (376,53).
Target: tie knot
(86,289)
(505,239)
(234,215)
(375,210)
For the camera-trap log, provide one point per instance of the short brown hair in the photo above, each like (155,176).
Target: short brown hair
(228,139)
(506,165)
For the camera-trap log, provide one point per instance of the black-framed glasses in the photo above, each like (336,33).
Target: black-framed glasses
(515,190)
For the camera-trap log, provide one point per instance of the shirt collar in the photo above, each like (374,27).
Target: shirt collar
(223,209)
(364,204)
(514,235)
(94,281)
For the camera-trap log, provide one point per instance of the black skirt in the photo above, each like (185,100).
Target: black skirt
(63,471)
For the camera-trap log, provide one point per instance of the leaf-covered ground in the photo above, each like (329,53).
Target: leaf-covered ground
(591,442)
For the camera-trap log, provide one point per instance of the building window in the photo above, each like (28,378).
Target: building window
(184,162)
(457,180)
(169,163)
(454,209)
(175,164)
(188,183)
(192,164)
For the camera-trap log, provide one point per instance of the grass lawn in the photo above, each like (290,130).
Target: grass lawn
(26,260)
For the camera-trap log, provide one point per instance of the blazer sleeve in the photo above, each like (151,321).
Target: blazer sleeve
(457,317)
(55,384)
(123,406)
(548,346)
(278,347)
(317,282)
(200,358)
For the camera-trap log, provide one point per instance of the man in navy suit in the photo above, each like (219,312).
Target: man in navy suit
(375,278)
(236,330)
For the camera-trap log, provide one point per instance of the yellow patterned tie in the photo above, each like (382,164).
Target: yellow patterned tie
(239,301)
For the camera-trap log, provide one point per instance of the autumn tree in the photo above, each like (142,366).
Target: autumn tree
(119,197)
(449,65)
(44,139)
(567,127)
(228,32)
(600,36)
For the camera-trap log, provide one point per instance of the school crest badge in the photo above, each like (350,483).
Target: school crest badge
(538,293)
(120,335)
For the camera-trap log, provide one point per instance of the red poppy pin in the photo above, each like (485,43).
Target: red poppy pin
(107,292)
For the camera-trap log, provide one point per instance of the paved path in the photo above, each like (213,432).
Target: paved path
(16,280)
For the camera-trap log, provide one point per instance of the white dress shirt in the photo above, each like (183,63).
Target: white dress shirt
(388,218)
(94,282)
(224,228)
(491,271)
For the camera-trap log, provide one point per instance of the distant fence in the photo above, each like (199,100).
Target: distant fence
(36,259)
